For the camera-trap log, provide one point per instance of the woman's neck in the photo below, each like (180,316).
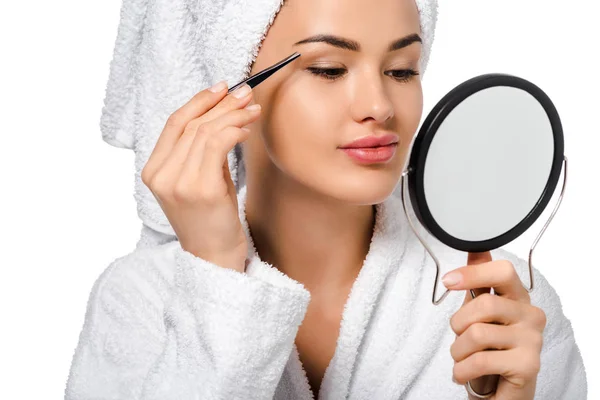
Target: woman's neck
(316,240)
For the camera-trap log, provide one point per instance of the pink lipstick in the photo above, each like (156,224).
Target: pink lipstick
(372,149)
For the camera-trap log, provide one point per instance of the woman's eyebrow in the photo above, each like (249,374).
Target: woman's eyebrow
(349,44)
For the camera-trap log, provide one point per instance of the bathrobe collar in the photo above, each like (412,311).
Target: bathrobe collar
(393,246)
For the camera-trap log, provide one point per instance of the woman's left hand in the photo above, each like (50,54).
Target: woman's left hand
(497,334)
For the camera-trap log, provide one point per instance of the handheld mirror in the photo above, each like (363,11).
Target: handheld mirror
(484,165)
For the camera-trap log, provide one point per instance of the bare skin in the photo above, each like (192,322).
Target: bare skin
(309,206)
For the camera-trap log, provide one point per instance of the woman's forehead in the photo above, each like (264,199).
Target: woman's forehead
(368,22)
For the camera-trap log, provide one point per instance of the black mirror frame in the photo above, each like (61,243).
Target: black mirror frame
(422,142)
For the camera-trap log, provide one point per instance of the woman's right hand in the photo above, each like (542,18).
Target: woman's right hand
(189,176)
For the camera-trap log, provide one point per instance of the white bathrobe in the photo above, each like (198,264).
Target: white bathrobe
(162,323)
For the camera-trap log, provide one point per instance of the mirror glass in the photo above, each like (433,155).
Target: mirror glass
(489,163)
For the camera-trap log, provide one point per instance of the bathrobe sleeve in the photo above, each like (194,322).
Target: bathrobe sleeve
(170,325)
(562,373)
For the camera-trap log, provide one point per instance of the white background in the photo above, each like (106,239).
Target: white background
(67,207)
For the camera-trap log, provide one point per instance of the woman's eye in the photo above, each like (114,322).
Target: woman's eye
(327,73)
(401,75)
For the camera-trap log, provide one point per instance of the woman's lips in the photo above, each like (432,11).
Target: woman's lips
(372,149)
(370,155)
(372,141)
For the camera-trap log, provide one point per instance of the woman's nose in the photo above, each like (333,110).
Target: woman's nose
(371,101)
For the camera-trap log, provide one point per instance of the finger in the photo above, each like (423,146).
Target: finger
(213,180)
(482,336)
(198,105)
(173,166)
(499,274)
(194,133)
(517,365)
(472,259)
(213,139)
(233,117)
(215,156)
(238,99)
(235,100)
(230,185)
(187,120)
(488,308)
(477,259)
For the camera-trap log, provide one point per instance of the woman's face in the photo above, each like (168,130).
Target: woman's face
(331,96)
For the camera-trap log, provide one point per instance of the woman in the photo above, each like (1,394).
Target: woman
(294,275)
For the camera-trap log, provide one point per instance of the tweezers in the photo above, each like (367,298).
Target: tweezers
(265,73)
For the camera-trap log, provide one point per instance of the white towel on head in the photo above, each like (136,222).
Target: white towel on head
(166,51)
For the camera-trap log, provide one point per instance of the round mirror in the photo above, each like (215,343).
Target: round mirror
(484,165)
(485,162)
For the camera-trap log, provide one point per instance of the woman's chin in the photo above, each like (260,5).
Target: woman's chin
(363,193)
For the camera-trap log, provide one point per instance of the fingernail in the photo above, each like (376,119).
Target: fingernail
(451,279)
(253,107)
(218,87)
(242,91)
